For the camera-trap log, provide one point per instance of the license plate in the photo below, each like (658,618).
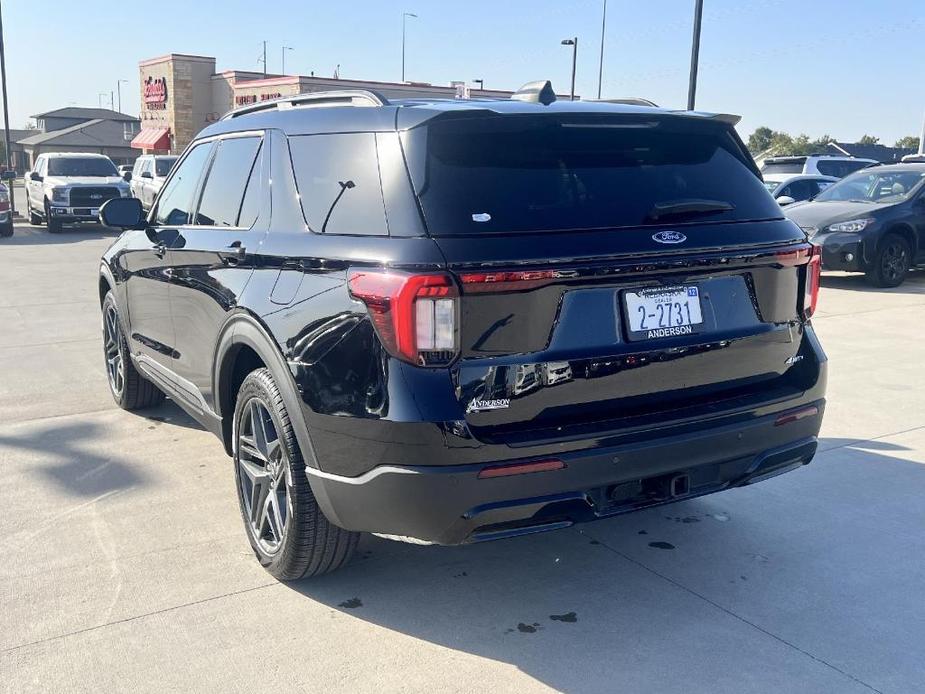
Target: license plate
(663,312)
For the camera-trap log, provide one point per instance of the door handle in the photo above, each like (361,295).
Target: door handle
(233,253)
(160,249)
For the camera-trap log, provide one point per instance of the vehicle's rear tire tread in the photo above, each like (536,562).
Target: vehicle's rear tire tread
(312,544)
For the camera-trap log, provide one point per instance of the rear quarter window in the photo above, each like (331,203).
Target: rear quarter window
(338,181)
(557,173)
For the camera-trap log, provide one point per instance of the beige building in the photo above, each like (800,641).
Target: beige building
(182,94)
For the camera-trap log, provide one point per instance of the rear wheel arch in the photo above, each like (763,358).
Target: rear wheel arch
(245,343)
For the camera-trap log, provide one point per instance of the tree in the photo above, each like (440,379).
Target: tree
(908,142)
(761,139)
(868,140)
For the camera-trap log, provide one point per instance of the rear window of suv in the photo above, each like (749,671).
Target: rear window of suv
(783,167)
(491,174)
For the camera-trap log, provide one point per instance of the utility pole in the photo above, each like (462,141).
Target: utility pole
(112,99)
(404,17)
(573,42)
(6,117)
(695,55)
(600,69)
(99,98)
(264,58)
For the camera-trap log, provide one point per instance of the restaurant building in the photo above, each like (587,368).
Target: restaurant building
(182,94)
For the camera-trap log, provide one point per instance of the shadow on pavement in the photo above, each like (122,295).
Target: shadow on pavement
(77,469)
(28,235)
(602,606)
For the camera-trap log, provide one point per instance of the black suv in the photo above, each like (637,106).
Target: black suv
(453,321)
(873,222)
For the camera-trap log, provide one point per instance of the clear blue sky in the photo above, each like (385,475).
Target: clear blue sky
(841,67)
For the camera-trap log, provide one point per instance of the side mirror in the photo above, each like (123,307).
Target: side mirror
(122,213)
(146,174)
(127,176)
(35,176)
(785,200)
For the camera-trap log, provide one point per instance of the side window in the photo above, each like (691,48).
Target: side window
(338,181)
(176,201)
(136,168)
(223,194)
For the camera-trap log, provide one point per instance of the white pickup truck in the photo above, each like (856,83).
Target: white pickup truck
(69,188)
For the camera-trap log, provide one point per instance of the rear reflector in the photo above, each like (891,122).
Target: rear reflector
(520,468)
(796,416)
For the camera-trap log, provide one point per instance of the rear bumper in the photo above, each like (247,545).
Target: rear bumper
(451,505)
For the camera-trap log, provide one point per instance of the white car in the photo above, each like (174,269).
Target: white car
(819,164)
(788,189)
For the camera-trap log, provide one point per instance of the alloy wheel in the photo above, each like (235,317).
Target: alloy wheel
(264,476)
(115,360)
(894,261)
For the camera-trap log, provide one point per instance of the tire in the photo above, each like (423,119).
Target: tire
(891,263)
(34,219)
(287,530)
(54,226)
(129,388)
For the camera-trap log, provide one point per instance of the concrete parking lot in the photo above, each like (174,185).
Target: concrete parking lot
(125,564)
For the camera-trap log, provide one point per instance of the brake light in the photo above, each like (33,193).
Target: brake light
(4,201)
(507,281)
(813,279)
(415,316)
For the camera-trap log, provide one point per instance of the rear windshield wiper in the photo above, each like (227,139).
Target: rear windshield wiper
(687,206)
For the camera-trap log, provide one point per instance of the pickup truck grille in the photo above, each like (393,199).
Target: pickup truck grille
(92,196)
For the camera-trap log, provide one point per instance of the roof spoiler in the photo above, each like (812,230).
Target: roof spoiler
(539,92)
(727,118)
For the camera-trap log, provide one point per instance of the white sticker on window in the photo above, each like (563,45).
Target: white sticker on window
(481,217)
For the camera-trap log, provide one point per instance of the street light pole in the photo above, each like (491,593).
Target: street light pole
(573,42)
(404,18)
(600,69)
(695,55)
(119,92)
(481,84)
(6,117)
(285,48)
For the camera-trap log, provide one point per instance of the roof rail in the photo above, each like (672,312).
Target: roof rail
(339,97)
(629,100)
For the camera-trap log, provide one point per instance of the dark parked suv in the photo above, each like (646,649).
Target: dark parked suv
(453,321)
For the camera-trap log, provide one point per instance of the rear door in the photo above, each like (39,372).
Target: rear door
(610,268)
(212,258)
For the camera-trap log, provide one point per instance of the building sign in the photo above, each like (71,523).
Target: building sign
(245,99)
(155,93)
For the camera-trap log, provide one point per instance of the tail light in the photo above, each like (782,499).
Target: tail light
(4,201)
(415,316)
(813,276)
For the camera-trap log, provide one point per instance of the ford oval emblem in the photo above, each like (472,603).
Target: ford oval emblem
(669,237)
